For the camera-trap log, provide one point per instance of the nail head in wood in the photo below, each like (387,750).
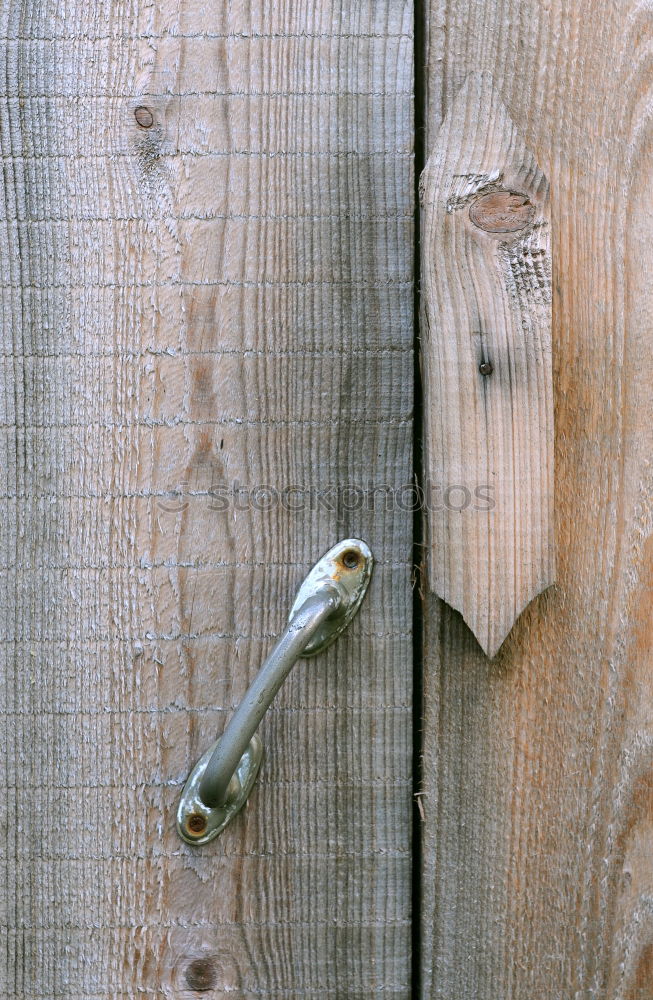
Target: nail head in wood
(486,368)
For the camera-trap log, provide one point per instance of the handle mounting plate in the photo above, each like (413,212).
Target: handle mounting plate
(198,823)
(348,566)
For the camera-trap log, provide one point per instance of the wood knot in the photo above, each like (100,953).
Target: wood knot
(502,212)
(201,974)
(144,116)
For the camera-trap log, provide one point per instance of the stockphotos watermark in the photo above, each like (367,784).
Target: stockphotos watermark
(340,499)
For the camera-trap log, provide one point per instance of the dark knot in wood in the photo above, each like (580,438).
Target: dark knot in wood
(502,212)
(201,974)
(144,116)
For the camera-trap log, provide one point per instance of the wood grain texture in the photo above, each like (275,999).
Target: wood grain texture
(538,768)
(486,349)
(214,302)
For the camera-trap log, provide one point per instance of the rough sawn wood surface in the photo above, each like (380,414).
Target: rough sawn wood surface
(486,348)
(207,282)
(538,765)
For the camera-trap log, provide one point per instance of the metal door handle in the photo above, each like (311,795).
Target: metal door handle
(221,781)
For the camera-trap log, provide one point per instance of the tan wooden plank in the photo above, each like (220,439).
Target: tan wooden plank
(486,345)
(537,861)
(221,299)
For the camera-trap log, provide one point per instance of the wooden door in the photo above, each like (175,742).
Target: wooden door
(207,271)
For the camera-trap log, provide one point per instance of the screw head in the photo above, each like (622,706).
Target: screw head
(351,559)
(196,824)
(486,368)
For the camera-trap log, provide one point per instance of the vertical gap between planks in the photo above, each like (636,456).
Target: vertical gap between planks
(419,15)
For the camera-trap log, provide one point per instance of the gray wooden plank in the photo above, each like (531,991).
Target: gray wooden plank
(221,299)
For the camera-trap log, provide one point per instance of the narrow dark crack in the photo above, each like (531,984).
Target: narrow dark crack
(418,519)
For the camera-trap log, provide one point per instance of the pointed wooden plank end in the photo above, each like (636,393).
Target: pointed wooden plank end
(486,341)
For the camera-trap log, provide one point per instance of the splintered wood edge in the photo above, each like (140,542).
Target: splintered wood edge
(486,342)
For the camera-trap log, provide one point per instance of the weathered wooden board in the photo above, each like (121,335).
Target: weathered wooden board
(486,347)
(538,767)
(207,275)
